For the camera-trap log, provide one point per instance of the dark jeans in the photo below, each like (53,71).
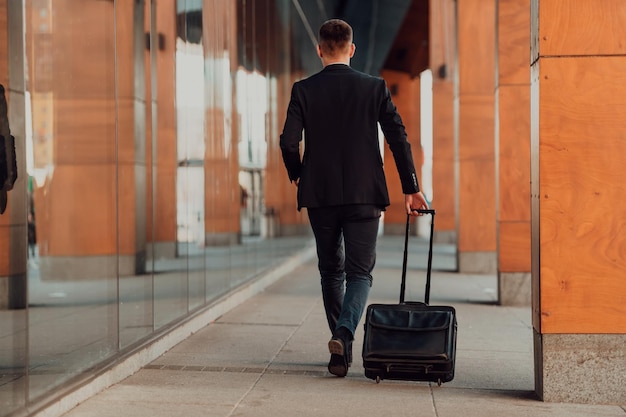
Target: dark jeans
(346,249)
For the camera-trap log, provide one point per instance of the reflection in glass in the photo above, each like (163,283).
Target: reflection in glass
(148,150)
(72,316)
(136,288)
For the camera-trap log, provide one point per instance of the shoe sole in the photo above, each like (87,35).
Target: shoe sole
(335,347)
(338,365)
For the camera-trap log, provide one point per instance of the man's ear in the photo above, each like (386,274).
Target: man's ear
(352,50)
(319,51)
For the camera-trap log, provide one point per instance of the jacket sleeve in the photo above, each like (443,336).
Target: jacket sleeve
(395,135)
(292,136)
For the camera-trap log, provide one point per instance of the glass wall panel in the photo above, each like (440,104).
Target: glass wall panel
(135,120)
(71,93)
(152,180)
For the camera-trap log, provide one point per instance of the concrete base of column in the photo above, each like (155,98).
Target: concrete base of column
(162,250)
(514,289)
(478,262)
(580,368)
(447,237)
(79,268)
(222,239)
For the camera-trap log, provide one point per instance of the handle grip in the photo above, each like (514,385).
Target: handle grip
(424,211)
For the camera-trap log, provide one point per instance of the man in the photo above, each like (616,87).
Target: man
(340,177)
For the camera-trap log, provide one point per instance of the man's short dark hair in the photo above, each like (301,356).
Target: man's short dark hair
(335,36)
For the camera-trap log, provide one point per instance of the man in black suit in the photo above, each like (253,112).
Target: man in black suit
(340,177)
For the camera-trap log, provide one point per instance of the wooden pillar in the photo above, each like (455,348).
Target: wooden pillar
(476,140)
(578,153)
(405,92)
(513,136)
(442,64)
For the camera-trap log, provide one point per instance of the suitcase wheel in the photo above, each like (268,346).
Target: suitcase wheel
(439,382)
(378,379)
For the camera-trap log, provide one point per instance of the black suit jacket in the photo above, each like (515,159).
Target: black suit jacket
(339,108)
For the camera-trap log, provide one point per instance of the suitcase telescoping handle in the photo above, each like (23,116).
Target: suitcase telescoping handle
(430,255)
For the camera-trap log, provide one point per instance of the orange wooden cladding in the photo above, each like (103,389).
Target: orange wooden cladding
(443,156)
(476,152)
(83,209)
(407,102)
(582,153)
(476,40)
(477,215)
(514,154)
(513,42)
(514,243)
(514,247)
(442,41)
(582,27)
(514,179)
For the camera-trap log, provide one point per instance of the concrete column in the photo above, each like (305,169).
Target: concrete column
(578,153)
(476,145)
(513,138)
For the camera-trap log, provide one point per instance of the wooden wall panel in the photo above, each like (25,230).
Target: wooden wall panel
(81,218)
(478,213)
(581,27)
(476,31)
(476,40)
(407,102)
(514,247)
(84,49)
(582,153)
(442,64)
(514,175)
(477,216)
(85,130)
(514,179)
(444,187)
(513,42)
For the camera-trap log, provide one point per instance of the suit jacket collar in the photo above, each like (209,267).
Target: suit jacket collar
(337,67)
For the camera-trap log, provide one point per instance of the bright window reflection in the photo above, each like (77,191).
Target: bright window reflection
(252,92)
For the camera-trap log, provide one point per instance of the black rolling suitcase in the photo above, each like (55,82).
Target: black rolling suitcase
(410,341)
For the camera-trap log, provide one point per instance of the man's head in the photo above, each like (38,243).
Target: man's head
(335,41)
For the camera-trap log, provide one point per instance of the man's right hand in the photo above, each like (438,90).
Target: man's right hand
(415,201)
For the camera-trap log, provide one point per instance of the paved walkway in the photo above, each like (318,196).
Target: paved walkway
(268,357)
